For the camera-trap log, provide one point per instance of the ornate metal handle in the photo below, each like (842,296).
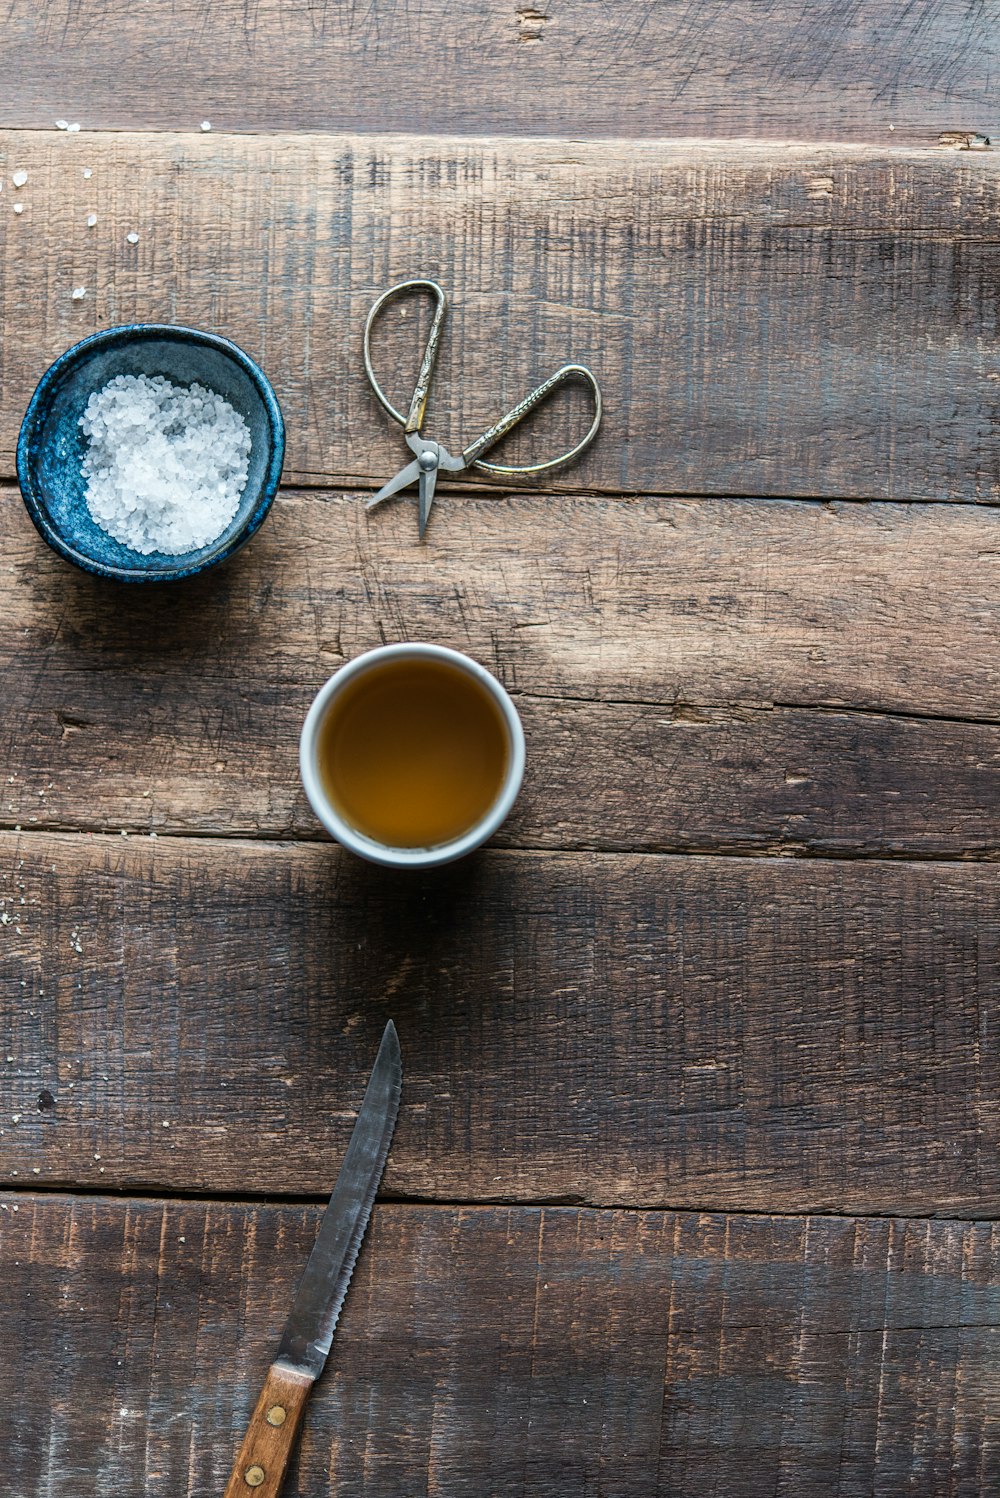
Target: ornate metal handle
(519,412)
(414,420)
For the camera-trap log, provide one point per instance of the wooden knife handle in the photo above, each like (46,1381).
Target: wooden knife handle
(267,1445)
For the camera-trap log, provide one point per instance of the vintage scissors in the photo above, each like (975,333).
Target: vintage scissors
(431,457)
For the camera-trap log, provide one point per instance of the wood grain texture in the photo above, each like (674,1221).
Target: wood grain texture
(883,70)
(801,321)
(754,1033)
(737,675)
(510,1352)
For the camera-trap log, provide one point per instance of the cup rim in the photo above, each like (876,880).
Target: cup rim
(367,847)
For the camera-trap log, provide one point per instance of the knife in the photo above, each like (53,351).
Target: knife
(267,1445)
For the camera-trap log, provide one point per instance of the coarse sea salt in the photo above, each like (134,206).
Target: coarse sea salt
(166,464)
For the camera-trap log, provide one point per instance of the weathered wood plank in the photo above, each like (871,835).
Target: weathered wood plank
(884,70)
(522,1352)
(806,321)
(740,1033)
(666,658)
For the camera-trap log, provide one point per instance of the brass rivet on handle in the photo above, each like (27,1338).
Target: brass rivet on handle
(253,1477)
(275,1415)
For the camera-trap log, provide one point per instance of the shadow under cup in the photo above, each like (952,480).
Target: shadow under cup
(412,755)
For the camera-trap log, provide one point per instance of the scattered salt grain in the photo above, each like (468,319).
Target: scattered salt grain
(79,292)
(166,465)
(87,173)
(18,207)
(206,124)
(19,178)
(91,220)
(62,124)
(73,129)
(132,237)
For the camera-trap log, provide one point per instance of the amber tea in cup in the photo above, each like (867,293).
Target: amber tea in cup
(412,754)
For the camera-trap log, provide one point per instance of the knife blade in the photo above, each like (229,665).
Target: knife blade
(308,1335)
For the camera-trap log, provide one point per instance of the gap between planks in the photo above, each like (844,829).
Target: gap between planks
(73,1191)
(778,852)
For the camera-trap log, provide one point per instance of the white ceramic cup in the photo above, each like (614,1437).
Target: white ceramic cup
(366,847)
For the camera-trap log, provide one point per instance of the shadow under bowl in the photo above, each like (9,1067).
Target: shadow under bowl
(51,446)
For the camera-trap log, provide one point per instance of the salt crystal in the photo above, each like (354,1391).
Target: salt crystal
(62,125)
(206,124)
(79,292)
(166,465)
(18,207)
(19,178)
(91,220)
(87,173)
(132,237)
(73,129)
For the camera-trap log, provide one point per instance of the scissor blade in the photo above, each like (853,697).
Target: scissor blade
(405,476)
(428,483)
(310,1326)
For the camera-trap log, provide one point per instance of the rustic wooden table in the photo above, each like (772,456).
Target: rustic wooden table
(694,1185)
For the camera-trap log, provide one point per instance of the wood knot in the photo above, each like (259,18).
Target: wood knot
(964,140)
(531,24)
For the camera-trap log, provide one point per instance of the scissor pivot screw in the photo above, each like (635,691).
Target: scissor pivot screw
(254,1476)
(428,460)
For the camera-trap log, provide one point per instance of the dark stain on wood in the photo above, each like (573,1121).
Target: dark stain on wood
(518,1351)
(614,1029)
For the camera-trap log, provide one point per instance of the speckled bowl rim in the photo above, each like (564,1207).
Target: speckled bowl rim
(142,332)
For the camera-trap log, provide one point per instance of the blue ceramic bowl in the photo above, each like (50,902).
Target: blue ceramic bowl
(51,446)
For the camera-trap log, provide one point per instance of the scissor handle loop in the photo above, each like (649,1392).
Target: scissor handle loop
(414,420)
(517,413)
